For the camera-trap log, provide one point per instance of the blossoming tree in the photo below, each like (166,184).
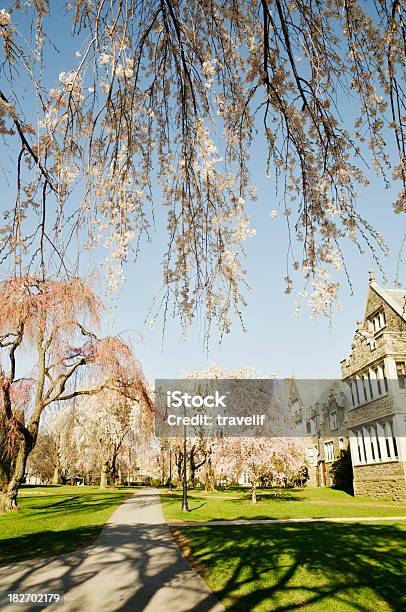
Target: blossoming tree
(55,320)
(105,422)
(257,457)
(55,449)
(191,84)
(229,457)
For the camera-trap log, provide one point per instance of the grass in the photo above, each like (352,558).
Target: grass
(331,567)
(55,520)
(288,503)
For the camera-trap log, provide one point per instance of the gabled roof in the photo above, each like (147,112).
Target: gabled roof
(311,390)
(395,298)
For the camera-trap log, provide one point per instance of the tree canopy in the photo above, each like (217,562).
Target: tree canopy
(179,91)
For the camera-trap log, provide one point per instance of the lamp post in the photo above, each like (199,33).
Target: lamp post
(185,506)
(170,469)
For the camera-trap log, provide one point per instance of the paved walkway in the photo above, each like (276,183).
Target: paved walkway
(291,520)
(134,565)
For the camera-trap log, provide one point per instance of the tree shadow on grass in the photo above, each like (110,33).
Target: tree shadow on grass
(39,486)
(76,504)
(122,570)
(197,507)
(297,566)
(41,543)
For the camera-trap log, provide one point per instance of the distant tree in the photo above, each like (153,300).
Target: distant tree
(342,473)
(55,446)
(41,460)
(229,457)
(105,422)
(273,461)
(61,428)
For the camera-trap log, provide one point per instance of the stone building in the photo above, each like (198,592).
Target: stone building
(366,410)
(319,409)
(375,375)
(329,422)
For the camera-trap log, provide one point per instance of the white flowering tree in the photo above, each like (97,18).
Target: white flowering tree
(56,446)
(255,456)
(106,423)
(188,86)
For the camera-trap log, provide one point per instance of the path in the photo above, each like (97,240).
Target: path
(134,565)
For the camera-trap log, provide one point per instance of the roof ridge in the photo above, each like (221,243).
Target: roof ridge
(385,294)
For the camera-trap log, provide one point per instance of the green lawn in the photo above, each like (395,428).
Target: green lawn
(288,503)
(55,520)
(331,567)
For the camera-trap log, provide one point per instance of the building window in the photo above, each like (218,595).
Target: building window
(245,478)
(310,456)
(401,372)
(369,384)
(380,377)
(371,393)
(341,443)
(378,321)
(364,388)
(310,428)
(329,451)
(356,390)
(385,380)
(376,443)
(350,384)
(333,420)
(378,381)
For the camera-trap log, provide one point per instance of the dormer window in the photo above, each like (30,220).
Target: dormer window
(378,321)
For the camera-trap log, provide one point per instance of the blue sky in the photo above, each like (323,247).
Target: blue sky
(276,341)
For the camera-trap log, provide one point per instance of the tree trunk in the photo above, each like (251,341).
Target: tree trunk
(209,481)
(55,478)
(179,465)
(8,501)
(10,486)
(119,479)
(103,475)
(192,478)
(254,491)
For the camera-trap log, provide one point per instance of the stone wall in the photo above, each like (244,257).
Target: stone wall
(391,339)
(370,411)
(381,480)
(393,321)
